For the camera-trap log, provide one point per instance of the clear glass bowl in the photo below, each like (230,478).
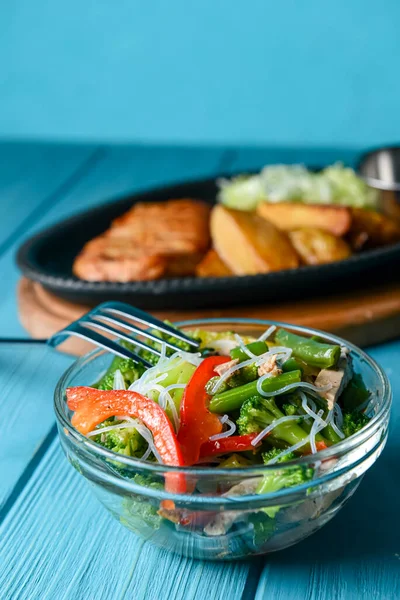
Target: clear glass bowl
(212,522)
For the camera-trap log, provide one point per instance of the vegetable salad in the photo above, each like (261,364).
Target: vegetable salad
(236,403)
(281,183)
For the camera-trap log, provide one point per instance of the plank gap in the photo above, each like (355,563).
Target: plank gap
(253,578)
(27,473)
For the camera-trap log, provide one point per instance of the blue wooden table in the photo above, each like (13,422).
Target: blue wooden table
(56,541)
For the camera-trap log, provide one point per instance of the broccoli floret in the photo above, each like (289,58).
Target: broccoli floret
(148,482)
(239,377)
(282,478)
(257,413)
(290,409)
(166,337)
(263,528)
(353,422)
(138,510)
(243,376)
(211,383)
(130,371)
(127,441)
(274,452)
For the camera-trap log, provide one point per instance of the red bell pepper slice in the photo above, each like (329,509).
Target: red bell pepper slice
(238,443)
(197,422)
(319,446)
(92,407)
(234,443)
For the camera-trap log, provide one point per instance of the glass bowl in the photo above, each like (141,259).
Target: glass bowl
(221,517)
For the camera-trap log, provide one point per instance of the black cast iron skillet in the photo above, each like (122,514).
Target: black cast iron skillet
(48,256)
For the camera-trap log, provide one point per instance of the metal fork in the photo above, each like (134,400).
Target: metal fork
(105,316)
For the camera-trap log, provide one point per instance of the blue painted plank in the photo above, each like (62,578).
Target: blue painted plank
(30,177)
(62,524)
(86,580)
(357,554)
(363,563)
(164,575)
(125,169)
(28,375)
(60,543)
(115,172)
(248,159)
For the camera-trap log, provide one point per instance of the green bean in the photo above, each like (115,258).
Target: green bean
(308,350)
(317,338)
(234,398)
(330,434)
(291,364)
(258,347)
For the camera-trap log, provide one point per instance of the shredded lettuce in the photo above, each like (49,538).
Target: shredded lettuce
(294,183)
(242,193)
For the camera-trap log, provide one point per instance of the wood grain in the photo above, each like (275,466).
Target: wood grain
(366,317)
(64,525)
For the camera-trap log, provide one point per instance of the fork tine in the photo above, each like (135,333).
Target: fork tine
(135,329)
(78,330)
(139,315)
(122,335)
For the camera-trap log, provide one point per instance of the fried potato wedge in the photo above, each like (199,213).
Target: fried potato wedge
(291,215)
(316,247)
(212,266)
(370,229)
(249,244)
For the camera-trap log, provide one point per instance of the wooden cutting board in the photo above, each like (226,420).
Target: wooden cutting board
(364,317)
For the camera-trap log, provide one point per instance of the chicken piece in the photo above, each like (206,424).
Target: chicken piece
(305,512)
(222,521)
(248,244)
(172,227)
(370,229)
(150,241)
(291,215)
(113,259)
(212,266)
(337,378)
(316,247)
(221,369)
(269,366)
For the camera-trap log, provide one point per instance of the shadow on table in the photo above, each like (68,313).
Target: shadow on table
(367,527)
